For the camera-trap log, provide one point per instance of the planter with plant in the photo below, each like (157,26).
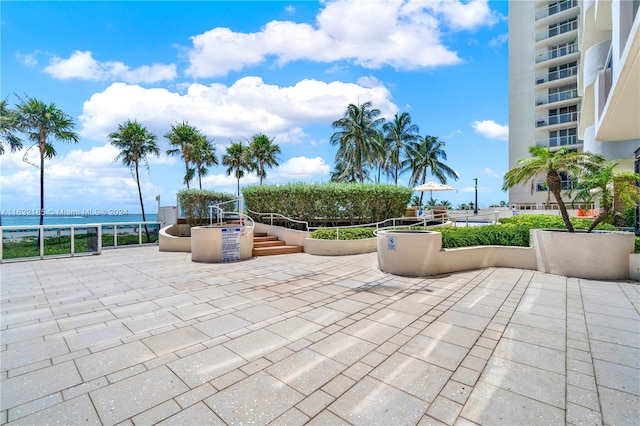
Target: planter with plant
(584,254)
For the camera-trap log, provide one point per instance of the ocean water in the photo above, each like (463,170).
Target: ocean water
(29,220)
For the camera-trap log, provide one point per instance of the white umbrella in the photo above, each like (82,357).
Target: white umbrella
(433,186)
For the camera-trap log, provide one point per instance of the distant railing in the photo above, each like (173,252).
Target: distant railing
(557,97)
(558,141)
(557,119)
(556,8)
(557,75)
(558,52)
(553,31)
(30,242)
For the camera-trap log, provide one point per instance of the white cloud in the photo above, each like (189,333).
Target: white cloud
(491,173)
(490,129)
(302,168)
(83,66)
(499,40)
(289,9)
(464,16)
(247,107)
(29,59)
(72,179)
(405,35)
(453,134)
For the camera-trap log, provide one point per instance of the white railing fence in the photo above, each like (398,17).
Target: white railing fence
(67,240)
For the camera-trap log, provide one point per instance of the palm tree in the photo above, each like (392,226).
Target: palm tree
(547,163)
(183,137)
(399,133)
(356,139)
(135,143)
(445,203)
(41,122)
(8,127)
(238,160)
(264,153)
(381,157)
(424,155)
(203,156)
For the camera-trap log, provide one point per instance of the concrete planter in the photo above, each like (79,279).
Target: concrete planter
(339,247)
(175,238)
(598,255)
(409,252)
(208,245)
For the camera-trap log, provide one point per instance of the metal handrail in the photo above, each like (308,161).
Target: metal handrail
(442,217)
(222,214)
(271,216)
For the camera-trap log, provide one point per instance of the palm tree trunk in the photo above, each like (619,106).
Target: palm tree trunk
(186,176)
(41,185)
(144,218)
(563,210)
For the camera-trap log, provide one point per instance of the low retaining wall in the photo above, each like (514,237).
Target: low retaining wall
(175,238)
(420,253)
(339,247)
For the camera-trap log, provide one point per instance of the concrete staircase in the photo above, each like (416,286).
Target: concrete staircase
(267,245)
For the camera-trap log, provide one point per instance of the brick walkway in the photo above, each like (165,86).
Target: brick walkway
(135,336)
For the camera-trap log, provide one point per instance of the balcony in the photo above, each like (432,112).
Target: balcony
(566,185)
(557,53)
(557,30)
(557,97)
(558,141)
(569,117)
(556,8)
(557,75)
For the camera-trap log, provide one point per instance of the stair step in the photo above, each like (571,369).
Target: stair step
(265,238)
(259,244)
(260,234)
(267,251)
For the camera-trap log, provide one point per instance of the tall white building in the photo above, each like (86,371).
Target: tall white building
(574,81)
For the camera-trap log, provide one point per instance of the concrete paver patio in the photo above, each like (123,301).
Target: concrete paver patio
(136,336)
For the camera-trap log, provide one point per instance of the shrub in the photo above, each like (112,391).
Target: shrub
(544,221)
(343,233)
(330,203)
(489,235)
(194,204)
(637,245)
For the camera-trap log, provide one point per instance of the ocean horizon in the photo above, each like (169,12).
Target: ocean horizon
(31,220)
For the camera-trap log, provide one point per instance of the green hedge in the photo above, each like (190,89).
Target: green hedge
(330,203)
(489,235)
(343,233)
(544,221)
(194,204)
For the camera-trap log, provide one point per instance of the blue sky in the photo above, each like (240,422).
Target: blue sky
(234,69)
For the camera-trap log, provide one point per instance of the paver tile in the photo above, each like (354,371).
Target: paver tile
(72,412)
(258,399)
(434,351)
(111,360)
(306,371)
(345,337)
(125,399)
(174,340)
(490,405)
(416,377)
(371,402)
(205,365)
(36,384)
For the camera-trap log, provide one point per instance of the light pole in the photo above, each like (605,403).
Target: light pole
(475,205)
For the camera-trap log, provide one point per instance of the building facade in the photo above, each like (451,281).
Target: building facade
(574,81)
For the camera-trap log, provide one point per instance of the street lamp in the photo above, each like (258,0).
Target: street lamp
(475,205)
